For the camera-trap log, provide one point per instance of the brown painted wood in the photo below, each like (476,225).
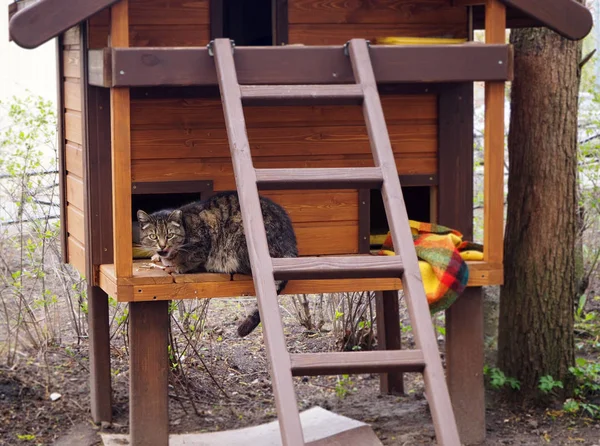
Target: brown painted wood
(318,206)
(159,13)
(464,340)
(364,221)
(98,229)
(121,151)
(76,254)
(437,391)
(193,141)
(350,178)
(170,35)
(46,19)
(337,267)
(256,239)
(138,67)
(148,285)
(74,158)
(567,17)
(280,23)
(493,202)
(171,187)
(148,373)
(99,67)
(465,360)
(334,363)
(219,170)
(455,193)
(301,94)
(62,155)
(73,127)
(100,376)
(165,114)
(389,337)
(216,18)
(100,174)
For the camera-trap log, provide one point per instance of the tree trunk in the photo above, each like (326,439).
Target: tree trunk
(536,301)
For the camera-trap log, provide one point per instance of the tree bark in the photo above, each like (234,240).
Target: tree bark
(536,301)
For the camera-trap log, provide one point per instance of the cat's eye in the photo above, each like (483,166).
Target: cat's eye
(170,236)
(152,237)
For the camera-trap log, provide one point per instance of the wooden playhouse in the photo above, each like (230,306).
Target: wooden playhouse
(150,109)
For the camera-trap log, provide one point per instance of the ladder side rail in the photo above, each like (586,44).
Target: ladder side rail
(438,396)
(256,239)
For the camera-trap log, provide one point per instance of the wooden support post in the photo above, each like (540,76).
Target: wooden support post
(121,151)
(464,369)
(464,319)
(100,385)
(389,338)
(148,373)
(493,204)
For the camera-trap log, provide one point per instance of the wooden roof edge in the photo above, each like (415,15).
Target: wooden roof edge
(42,20)
(568,18)
(34,22)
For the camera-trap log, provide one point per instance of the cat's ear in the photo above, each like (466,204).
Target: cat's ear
(176,216)
(143,219)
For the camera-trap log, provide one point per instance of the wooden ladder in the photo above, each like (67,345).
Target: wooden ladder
(265,270)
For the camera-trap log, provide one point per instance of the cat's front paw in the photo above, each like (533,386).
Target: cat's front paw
(155,258)
(172,270)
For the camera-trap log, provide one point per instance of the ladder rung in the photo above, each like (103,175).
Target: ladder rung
(337,363)
(346,267)
(336,94)
(333,178)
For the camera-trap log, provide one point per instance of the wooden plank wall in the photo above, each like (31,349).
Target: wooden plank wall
(73,156)
(182,137)
(167,131)
(334,22)
(158,23)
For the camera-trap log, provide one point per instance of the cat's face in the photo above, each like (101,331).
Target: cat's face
(162,231)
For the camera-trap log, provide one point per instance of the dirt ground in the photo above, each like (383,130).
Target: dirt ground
(29,416)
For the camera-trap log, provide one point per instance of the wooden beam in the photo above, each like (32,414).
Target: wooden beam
(121,152)
(46,19)
(493,206)
(568,18)
(146,67)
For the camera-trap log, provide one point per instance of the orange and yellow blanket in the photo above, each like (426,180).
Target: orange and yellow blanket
(442,255)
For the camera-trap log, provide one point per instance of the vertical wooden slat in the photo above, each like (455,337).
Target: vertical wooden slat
(433,375)
(99,328)
(121,151)
(389,337)
(216,18)
(256,239)
(62,171)
(464,364)
(99,345)
(280,22)
(493,204)
(464,319)
(364,221)
(148,373)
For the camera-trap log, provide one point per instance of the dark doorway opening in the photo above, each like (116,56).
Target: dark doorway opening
(248,23)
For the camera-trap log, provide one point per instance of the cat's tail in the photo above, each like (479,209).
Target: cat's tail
(249,324)
(252,321)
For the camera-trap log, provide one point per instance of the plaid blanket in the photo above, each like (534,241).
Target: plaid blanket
(442,255)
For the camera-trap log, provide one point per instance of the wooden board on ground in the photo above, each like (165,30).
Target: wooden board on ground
(320,427)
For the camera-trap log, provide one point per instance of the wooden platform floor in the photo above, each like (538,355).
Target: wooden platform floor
(150,282)
(320,427)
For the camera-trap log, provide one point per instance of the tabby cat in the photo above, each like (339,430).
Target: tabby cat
(208,235)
